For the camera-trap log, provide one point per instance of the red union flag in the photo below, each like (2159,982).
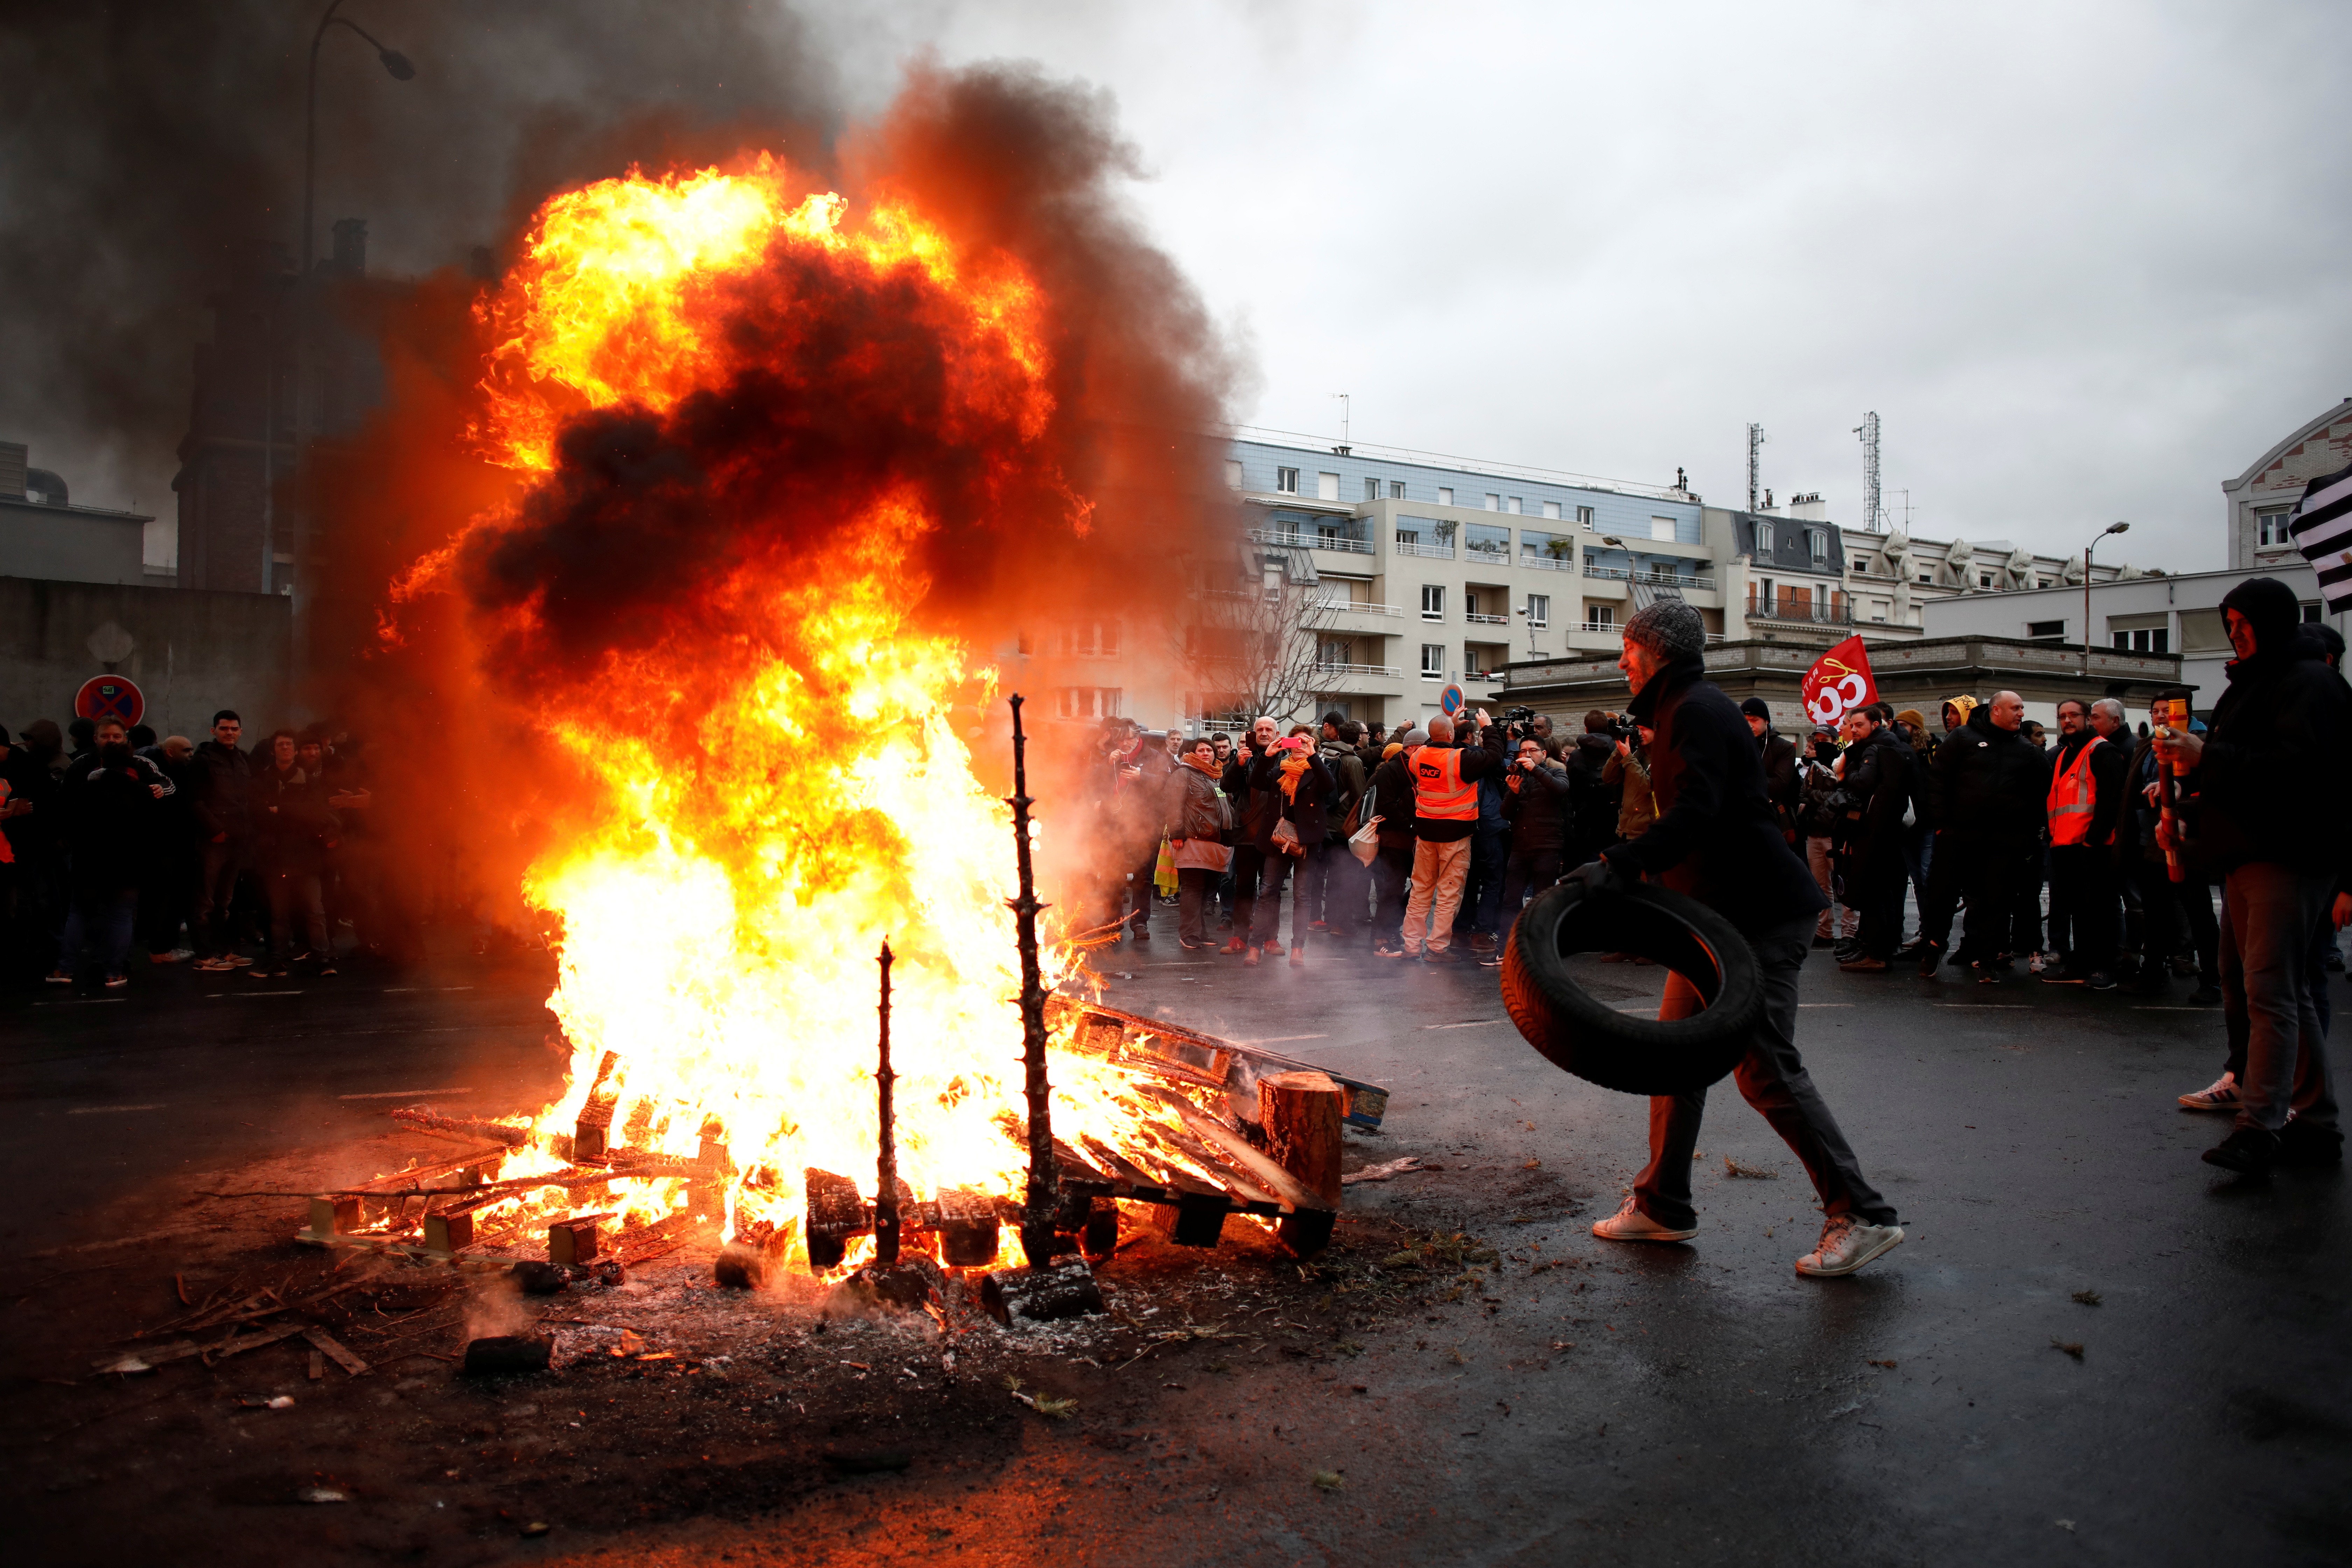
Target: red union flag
(1839,682)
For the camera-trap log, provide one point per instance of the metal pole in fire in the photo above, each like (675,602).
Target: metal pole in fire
(1044,1179)
(886,1199)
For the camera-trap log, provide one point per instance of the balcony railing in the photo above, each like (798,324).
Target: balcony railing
(1291,538)
(1433,551)
(1609,627)
(1358,608)
(1546,563)
(1805,612)
(1487,620)
(1595,569)
(1433,674)
(1381,671)
(1481,675)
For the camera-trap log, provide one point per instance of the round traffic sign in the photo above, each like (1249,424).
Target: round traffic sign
(1451,700)
(104,697)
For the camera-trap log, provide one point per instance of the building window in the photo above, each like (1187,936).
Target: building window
(2311,615)
(1662,530)
(1433,661)
(1485,538)
(1286,480)
(1433,603)
(1984,579)
(1494,501)
(1372,489)
(2143,639)
(1409,538)
(1928,577)
(2270,527)
(1551,510)
(1817,545)
(1861,562)
(1600,617)
(2042,582)
(1584,517)
(1763,539)
(1335,650)
(1513,505)
(1446,495)
(1538,609)
(1326,487)
(1396,489)
(1233,473)
(2040,629)
(1089,702)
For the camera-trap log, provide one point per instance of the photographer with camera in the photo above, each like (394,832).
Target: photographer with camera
(1715,840)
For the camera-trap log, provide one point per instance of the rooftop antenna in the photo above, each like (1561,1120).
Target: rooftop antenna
(1872,517)
(1754,461)
(1906,512)
(1347,442)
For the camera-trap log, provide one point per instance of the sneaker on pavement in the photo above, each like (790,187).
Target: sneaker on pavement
(117,982)
(2099,980)
(238,960)
(2249,1150)
(1986,975)
(61,977)
(1862,963)
(1274,949)
(209,965)
(1630,1223)
(1847,1244)
(175,956)
(1492,959)
(2222,1094)
(2064,977)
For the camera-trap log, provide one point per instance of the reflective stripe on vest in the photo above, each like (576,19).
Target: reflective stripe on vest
(2072,797)
(1439,789)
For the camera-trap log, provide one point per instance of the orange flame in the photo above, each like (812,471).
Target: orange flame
(719,917)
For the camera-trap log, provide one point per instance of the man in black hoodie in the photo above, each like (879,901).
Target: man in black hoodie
(225,820)
(2270,778)
(1992,786)
(1715,839)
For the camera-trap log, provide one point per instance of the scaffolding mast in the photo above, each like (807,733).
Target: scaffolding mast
(1874,518)
(1754,461)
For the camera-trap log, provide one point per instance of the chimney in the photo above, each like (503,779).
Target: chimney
(350,247)
(12,470)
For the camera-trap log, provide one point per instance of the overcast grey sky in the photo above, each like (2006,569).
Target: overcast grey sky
(2085,260)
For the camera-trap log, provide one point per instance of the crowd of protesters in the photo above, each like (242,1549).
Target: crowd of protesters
(225,855)
(2090,857)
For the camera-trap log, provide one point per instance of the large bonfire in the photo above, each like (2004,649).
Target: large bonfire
(776,780)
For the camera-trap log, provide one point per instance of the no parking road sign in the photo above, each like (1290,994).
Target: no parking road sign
(104,697)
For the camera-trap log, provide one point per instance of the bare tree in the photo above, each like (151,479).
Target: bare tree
(1251,648)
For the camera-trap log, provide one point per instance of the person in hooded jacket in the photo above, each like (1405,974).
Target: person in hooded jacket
(1593,801)
(1390,791)
(1878,776)
(1993,786)
(1203,821)
(1537,801)
(108,805)
(2270,780)
(1715,840)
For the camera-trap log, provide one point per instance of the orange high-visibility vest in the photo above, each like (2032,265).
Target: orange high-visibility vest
(1439,789)
(2072,797)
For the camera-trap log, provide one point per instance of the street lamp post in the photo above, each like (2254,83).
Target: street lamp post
(2111,528)
(399,68)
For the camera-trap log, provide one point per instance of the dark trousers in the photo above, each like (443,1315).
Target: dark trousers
(2266,946)
(1878,875)
(1258,879)
(215,890)
(1392,890)
(167,893)
(2083,885)
(295,894)
(98,928)
(1526,873)
(1999,881)
(1482,895)
(1346,884)
(1918,861)
(2177,917)
(1773,1078)
(1939,901)
(1196,889)
(1134,907)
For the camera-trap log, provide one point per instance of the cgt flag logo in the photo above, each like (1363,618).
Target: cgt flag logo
(1840,683)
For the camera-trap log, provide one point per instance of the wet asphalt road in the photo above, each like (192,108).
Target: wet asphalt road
(1714,1407)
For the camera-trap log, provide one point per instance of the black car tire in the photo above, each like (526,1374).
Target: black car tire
(1585,1036)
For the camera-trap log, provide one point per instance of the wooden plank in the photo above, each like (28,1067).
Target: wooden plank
(1366,1102)
(238,1344)
(336,1350)
(1295,1193)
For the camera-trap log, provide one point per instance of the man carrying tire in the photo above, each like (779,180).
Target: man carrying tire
(1715,840)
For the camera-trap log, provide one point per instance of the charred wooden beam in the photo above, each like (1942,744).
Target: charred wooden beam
(886,1187)
(1065,1288)
(1037,1209)
(967,1224)
(592,1135)
(835,1214)
(575,1242)
(425,1121)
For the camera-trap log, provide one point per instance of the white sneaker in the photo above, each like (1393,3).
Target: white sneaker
(2221,1096)
(1846,1244)
(1630,1223)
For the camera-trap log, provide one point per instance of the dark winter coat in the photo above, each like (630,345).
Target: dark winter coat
(1304,807)
(1593,801)
(1537,801)
(1391,790)
(1714,837)
(292,823)
(1993,783)
(225,792)
(108,810)
(1781,784)
(2271,781)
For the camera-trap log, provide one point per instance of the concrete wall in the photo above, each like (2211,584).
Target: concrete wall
(77,544)
(191,652)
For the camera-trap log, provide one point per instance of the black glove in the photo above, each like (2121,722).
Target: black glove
(1597,877)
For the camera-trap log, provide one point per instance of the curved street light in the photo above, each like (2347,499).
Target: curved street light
(395,64)
(2111,528)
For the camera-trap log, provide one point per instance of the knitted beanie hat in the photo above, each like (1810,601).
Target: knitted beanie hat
(1670,626)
